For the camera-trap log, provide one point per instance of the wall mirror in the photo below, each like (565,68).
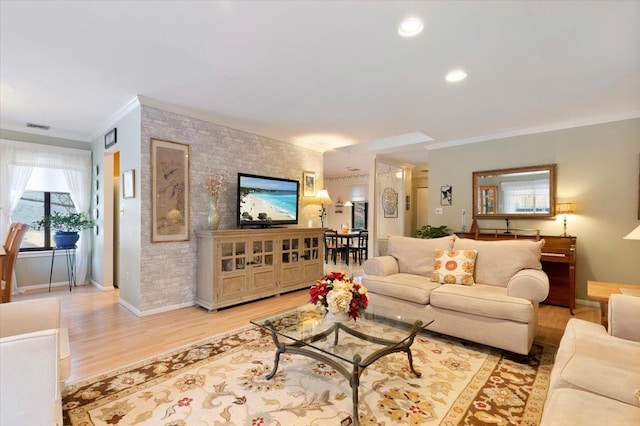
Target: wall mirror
(521,192)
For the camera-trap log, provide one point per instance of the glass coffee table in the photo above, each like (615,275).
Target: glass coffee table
(349,346)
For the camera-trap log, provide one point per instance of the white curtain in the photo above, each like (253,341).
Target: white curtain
(18,159)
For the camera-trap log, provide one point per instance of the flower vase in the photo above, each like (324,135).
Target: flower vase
(213,220)
(337,317)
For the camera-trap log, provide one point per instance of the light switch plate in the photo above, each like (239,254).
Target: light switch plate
(438,210)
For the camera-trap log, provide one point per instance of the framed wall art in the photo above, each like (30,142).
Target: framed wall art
(129,184)
(169,191)
(446,195)
(110,138)
(309,184)
(390,202)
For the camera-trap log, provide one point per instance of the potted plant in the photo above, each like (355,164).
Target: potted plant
(429,231)
(67,227)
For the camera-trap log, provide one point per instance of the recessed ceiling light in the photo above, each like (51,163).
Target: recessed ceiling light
(410,27)
(455,76)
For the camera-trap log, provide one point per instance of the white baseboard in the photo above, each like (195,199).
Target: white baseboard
(137,312)
(166,308)
(101,287)
(40,286)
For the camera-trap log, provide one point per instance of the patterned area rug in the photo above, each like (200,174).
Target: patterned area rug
(221,381)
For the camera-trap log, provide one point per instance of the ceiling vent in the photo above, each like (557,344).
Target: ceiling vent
(38,126)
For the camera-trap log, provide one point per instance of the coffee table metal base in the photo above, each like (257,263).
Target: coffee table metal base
(358,365)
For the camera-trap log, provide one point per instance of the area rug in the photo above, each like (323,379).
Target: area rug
(221,381)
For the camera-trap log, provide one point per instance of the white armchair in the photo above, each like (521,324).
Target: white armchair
(34,362)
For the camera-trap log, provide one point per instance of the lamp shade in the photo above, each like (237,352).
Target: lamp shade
(322,197)
(633,235)
(564,208)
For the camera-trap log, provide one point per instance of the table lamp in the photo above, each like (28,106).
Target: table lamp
(565,209)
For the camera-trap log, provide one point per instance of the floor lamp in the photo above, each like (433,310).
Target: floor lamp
(633,235)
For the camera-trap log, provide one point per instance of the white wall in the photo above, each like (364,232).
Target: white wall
(129,258)
(597,171)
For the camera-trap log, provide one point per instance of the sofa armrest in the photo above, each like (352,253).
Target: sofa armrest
(31,394)
(530,284)
(624,317)
(381,266)
(27,316)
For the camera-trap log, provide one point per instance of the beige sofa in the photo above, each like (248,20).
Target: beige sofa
(596,375)
(500,309)
(34,362)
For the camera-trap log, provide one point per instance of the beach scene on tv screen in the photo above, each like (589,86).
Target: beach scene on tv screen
(267,200)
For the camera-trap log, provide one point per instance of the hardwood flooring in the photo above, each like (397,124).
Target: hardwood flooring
(104,335)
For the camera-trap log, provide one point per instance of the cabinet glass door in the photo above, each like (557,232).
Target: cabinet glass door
(233,256)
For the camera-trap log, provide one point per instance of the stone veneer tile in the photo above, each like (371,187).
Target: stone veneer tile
(168,270)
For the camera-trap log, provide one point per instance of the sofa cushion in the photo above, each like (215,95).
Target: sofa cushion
(605,365)
(484,300)
(454,266)
(409,287)
(415,255)
(498,261)
(575,407)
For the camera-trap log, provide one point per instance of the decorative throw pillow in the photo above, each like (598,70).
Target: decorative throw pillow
(454,266)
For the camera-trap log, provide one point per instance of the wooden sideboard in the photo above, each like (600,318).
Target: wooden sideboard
(558,261)
(240,265)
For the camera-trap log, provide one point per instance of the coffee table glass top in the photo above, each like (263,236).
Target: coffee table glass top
(378,328)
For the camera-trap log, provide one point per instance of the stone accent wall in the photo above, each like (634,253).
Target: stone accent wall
(168,270)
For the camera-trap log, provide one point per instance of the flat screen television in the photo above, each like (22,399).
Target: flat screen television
(265,201)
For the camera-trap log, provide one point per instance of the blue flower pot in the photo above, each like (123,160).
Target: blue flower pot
(66,239)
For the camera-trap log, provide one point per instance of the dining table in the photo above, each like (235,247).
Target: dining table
(346,242)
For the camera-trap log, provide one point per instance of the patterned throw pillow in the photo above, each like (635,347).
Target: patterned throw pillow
(454,266)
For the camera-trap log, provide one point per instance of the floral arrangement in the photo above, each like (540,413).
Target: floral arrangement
(337,293)
(213,183)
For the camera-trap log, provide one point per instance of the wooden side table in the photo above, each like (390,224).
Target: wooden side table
(600,291)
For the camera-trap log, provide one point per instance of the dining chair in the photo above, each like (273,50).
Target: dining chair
(10,260)
(332,246)
(11,234)
(360,247)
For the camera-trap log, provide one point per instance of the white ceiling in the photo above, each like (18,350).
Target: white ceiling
(324,74)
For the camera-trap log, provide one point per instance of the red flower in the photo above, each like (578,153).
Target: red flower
(336,275)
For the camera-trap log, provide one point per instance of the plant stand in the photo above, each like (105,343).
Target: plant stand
(70,253)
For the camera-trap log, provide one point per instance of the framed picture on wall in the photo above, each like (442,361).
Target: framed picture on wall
(446,195)
(308,184)
(129,184)
(110,138)
(169,191)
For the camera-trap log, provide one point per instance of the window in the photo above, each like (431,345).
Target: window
(46,193)
(526,197)
(359,216)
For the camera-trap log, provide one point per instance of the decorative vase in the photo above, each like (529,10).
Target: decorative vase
(213,220)
(337,317)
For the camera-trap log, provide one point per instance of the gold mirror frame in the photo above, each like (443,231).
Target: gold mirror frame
(490,208)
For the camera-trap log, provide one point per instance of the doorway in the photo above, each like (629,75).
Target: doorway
(422,207)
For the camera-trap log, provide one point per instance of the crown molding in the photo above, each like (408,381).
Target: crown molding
(110,122)
(539,129)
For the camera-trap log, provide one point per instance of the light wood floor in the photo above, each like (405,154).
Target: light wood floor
(104,335)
